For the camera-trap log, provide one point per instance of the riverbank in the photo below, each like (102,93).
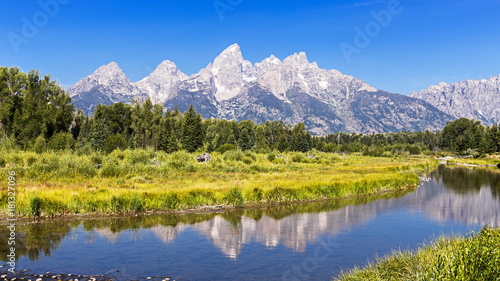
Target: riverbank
(491,161)
(470,257)
(130,182)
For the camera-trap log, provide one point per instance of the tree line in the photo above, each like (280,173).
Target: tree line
(36,114)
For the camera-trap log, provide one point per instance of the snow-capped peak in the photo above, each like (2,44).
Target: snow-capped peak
(235,49)
(163,82)
(297,58)
(109,74)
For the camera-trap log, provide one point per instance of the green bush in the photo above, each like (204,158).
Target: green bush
(226,147)
(299,157)
(233,155)
(117,204)
(114,142)
(271,157)
(137,204)
(170,201)
(413,149)
(36,205)
(141,156)
(96,158)
(182,161)
(247,160)
(40,144)
(110,168)
(62,141)
(235,197)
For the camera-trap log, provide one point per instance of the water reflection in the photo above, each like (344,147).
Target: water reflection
(454,194)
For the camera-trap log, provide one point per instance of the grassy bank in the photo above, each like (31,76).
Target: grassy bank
(472,257)
(491,160)
(50,184)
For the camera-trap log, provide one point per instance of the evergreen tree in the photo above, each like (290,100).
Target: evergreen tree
(300,139)
(244,143)
(261,138)
(192,130)
(282,144)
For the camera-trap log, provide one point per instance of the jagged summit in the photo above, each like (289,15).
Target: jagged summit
(235,49)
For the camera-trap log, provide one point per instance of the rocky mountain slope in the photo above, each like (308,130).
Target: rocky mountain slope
(473,99)
(293,90)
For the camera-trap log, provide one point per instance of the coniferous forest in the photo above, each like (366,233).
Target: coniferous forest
(36,114)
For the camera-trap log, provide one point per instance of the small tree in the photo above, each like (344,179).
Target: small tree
(244,142)
(115,141)
(61,141)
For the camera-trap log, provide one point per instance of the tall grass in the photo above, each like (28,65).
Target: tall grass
(469,257)
(57,183)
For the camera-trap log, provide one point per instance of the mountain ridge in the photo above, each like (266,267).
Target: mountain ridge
(294,90)
(473,99)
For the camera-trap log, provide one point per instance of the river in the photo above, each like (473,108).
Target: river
(312,241)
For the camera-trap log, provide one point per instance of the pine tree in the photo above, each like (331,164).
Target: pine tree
(282,144)
(244,142)
(192,130)
(300,138)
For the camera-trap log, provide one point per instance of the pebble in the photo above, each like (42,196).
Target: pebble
(3,276)
(39,279)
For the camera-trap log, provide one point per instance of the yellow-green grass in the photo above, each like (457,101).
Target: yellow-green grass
(51,184)
(468,257)
(489,160)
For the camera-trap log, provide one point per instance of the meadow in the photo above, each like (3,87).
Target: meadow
(129,181)
(470,257)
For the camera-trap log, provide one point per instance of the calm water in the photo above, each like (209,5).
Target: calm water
(300,242)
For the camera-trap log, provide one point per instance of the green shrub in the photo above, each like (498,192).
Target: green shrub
(182,161)
(257,194)
(271,157)
(61,141)
(247,160)
(40,145)
(114,142)
(233,155)
(31,159)
(141,156)
(137,204)
(96,158)
(117,204)
(36,205)
(298,157)
(226,147)
(413,149)
(110,167)
(235,197)
(170,201)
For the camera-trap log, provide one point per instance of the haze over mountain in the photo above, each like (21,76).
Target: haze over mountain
(293,90)
(473,99)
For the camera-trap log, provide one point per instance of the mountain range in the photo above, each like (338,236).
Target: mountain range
(293,90)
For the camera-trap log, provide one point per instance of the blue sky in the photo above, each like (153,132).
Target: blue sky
(424,42)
